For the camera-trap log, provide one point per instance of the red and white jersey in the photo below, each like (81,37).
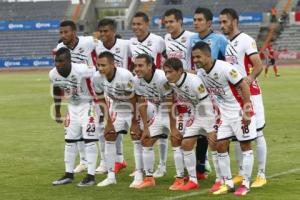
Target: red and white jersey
(238,53)
(120,50)
(180,47)
(156,90)
(120,89)
(83,50)
(77,85)
(220,81)
(153,45)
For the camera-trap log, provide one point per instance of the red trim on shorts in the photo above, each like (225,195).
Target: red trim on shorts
(158,60)
(254,87)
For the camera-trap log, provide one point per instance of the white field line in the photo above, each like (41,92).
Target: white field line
(205,191)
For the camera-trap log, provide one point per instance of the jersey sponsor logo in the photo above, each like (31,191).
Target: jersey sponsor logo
(216,90)
(118,50)
(235,43)
(215,76)
(176,54)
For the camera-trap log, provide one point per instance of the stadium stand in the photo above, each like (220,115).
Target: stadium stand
(19,44)
(289,38)
(13,11)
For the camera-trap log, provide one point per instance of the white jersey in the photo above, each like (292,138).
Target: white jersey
(220,81)
(120,50)
(82,52)
(180,47)
(153,45)
(156,90)
(238,51)
(77,86)
(120,89)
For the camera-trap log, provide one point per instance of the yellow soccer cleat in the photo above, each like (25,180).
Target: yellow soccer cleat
(237,180)
(259,182)
(224,189)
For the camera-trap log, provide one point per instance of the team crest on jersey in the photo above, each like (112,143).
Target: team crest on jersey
(118,50)
(183,39)
(209,42)
(235,43)
(149,43)
(81,50)
(215,76)
(201,89)
(233,73)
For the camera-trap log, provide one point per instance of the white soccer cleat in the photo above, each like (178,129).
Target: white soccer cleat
(133,173)
(80,168)
(101,169)
(107,182)
(160,172)
(135,183)
(138,179)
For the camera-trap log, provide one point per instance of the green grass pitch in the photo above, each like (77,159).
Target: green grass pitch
(31,147)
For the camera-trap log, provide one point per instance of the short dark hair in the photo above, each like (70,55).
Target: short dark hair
(174,63)
(231,12)
(176,12)
(106,54)
(108,22)
(68,23)
(63,51)
(206,13)
(148,58)
(203,46)
(143,15)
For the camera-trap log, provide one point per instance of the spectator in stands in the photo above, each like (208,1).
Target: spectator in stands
(273,15)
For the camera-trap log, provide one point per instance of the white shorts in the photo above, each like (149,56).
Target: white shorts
(160,124)
(150,115)
(229,129)
(182,120)
(121,121)
(259,111)
(81,122)
(196,126)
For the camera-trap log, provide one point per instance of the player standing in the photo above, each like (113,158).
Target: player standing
(145,42)
(81,48)
(117,84)
(121,51)
(242,52)
(271,60)
(152,85)
(81,121)
(203,19)
(233,98)
(190,90)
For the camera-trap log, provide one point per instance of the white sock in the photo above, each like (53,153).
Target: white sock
(239,157)
(261,153)
(81,149)
(248,160)
(70,156)
(148,160)
(91,156)
(138,155)
(163,152)
(214,155)
(190,165)
(110,158)
(119,148)
(225,171)
(179,162)
(102,148)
